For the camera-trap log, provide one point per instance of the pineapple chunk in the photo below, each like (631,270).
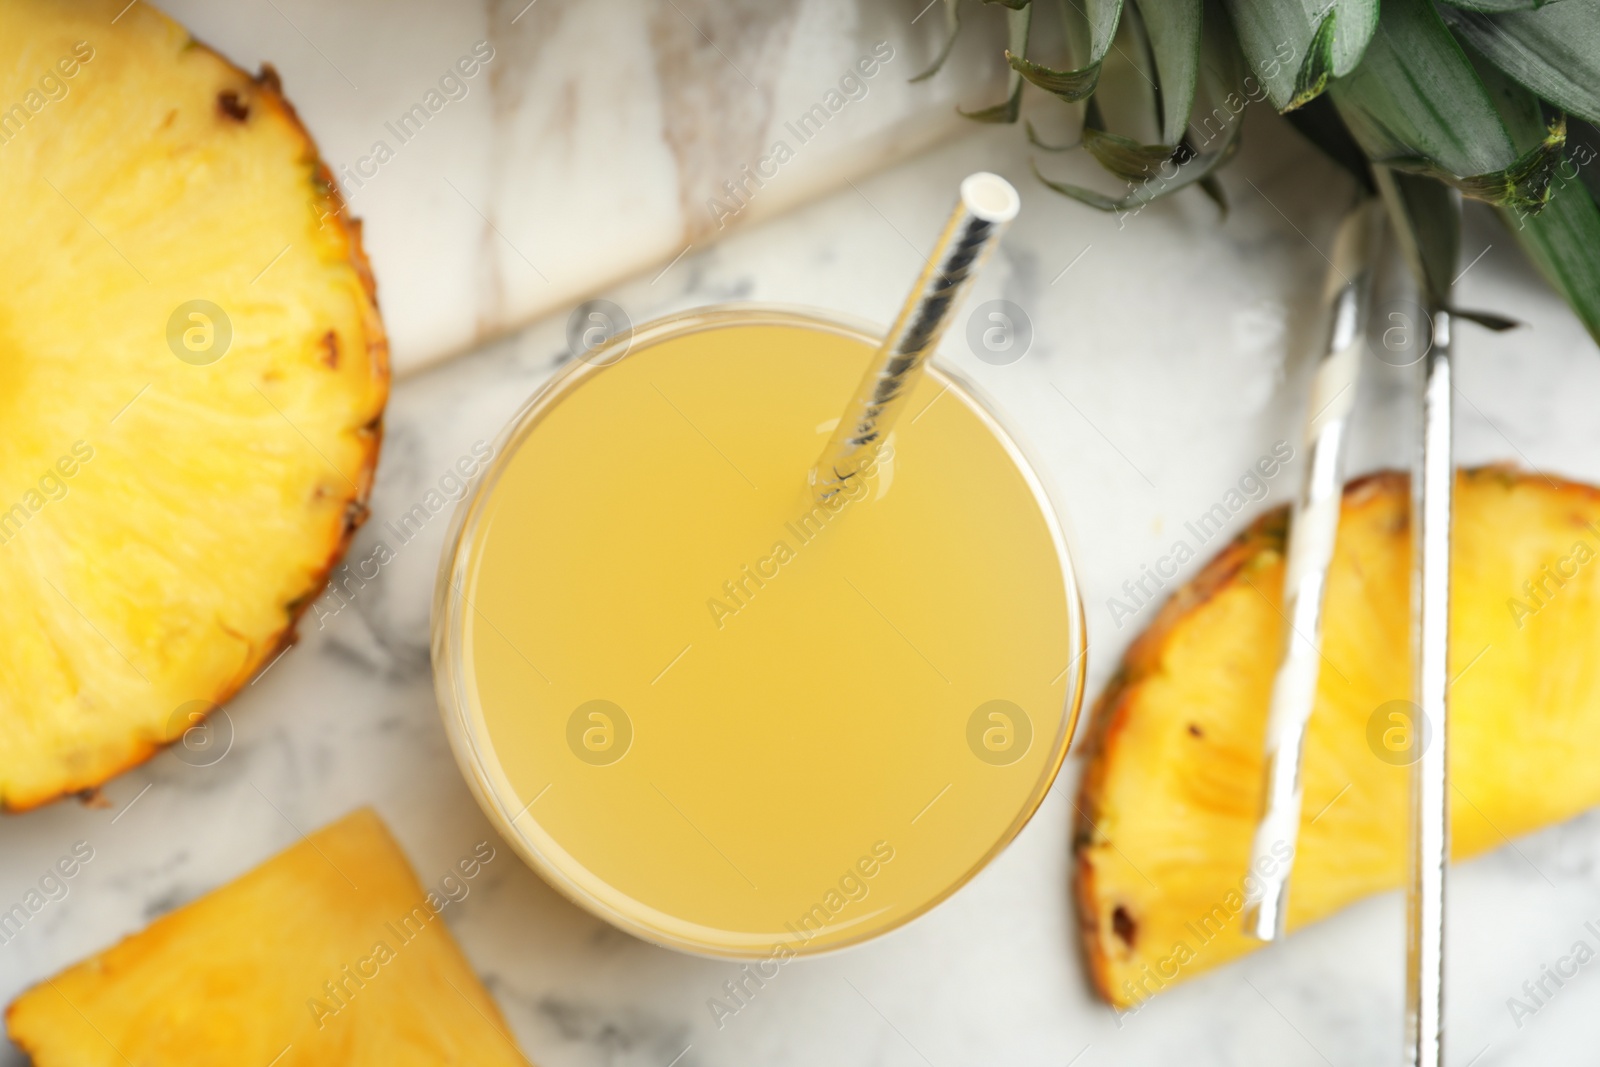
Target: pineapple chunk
(327,954)
(192,380)
(1173,785)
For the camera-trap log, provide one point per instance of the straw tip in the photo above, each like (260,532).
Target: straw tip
(990,197)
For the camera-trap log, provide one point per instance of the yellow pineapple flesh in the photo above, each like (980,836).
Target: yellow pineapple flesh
(327,955)
(1173,784)
(192,379)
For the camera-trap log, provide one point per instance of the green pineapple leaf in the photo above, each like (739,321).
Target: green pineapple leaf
(1151,171)
(1562,241)
(1319,123)
(1488,319)
(1425,215)
(1296,46)
(1525,184)
(1583,142)
(1493,6)
(1018,20)
(1069,85)
(952,27)
(1416,103)
(1553,51)
(1122,156)
(1562,234)
(1135,73)
(1104,16)
(1100,20)
(1173,30)
(1194,167)
(1214,192)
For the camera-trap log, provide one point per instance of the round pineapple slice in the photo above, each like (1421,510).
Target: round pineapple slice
(1171,793)
(192,380)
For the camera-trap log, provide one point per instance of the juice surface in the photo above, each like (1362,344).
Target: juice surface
(732,720)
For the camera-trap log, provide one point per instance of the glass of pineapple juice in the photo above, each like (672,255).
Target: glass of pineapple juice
(724,717)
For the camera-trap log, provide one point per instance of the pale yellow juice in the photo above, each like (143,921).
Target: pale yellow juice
(721,716)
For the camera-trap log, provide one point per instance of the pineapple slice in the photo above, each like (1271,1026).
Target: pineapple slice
(192,381)
(1172,789)
(328,953)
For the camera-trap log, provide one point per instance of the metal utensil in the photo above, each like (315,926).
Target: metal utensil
(986,205)
(1313,523)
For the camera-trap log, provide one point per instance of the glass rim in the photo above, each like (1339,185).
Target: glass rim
(468,734)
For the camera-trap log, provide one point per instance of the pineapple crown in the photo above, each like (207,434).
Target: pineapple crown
(1423,102)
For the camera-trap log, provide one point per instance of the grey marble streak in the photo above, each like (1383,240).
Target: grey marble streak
(1171,355)
(585,149)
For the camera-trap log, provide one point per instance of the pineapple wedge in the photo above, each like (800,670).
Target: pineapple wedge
(327,954)
(192,379)
(1172,788)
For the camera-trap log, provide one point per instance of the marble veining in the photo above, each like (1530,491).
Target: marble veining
(585,149)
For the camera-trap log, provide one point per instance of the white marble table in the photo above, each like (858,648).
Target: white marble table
(1165,361)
